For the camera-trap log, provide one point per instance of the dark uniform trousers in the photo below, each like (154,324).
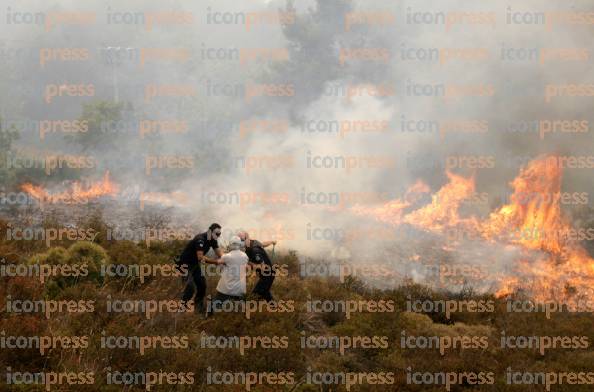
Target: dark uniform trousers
(265,279)
(195,284)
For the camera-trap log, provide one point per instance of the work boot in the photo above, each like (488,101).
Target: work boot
(184,307)
(200,310)
(264,297)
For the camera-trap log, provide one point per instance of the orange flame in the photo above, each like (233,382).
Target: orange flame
(553,265)
(535,220)
(442,212)
(532,213)
(392,211)
(76,192)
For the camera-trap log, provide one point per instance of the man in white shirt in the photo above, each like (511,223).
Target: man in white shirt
(232,284)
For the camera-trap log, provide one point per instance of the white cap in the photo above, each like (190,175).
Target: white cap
(235,241)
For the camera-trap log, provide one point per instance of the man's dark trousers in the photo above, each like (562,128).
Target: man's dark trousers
(195,284)
(265,280)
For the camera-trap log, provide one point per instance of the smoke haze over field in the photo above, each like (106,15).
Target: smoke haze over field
(296,195)
(317,75)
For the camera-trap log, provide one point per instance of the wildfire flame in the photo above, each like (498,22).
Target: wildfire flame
(532,213)
(76,192)
(553,264)
(442,212)
(392,212)
(535,218)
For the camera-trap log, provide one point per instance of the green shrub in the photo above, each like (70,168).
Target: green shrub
(53,256)
(92,255)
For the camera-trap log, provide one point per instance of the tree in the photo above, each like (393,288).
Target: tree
(106,122)
(7,137)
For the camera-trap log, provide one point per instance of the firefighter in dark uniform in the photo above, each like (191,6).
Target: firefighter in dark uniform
(257,255)
(195,252)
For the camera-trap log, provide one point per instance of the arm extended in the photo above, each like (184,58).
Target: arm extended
(208,260)
(267,243)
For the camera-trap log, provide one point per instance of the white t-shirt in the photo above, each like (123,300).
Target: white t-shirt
(233,277)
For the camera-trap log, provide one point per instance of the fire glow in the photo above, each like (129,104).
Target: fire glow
(553,266)
(76,193)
